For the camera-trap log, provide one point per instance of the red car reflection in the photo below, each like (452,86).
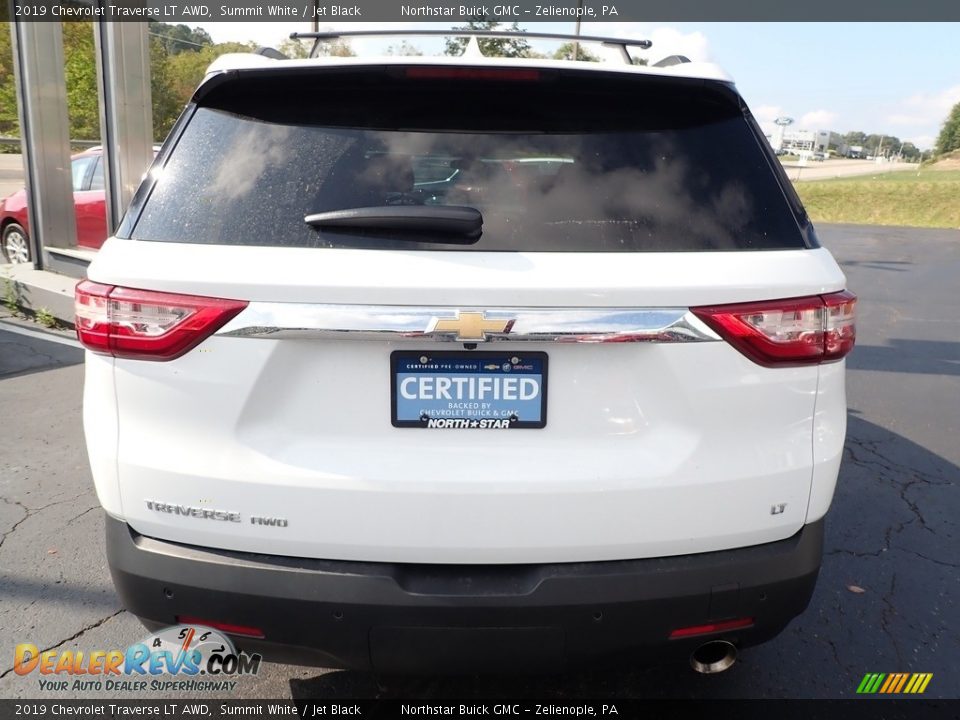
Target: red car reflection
(89,201)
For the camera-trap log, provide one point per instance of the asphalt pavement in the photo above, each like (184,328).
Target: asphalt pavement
(886,601)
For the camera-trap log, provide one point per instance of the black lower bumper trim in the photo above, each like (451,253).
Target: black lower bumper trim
(404,618)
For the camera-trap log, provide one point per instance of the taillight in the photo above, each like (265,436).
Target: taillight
(795,331)
(840,331)
(146,325)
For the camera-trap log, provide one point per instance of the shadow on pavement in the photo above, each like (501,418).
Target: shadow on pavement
(22,355)
(926,357)
(19,589)
(892,265)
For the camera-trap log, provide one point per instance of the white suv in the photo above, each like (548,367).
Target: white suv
(417,364)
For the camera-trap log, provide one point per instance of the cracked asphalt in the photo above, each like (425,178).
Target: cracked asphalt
(887,597)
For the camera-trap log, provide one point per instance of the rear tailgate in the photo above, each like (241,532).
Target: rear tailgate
(280,425)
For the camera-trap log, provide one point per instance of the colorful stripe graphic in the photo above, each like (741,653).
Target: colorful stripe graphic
(892,683)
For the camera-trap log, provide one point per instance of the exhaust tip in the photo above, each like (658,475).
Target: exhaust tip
(713,657)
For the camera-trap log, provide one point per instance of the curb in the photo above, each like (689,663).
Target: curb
(36,290)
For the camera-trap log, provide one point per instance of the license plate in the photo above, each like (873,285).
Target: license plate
(468,390)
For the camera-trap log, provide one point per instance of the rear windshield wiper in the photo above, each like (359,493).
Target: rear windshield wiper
(447,223)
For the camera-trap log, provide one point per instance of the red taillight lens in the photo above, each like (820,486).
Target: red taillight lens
(723,625)
(245,630)
(146,325)
(840,332)
(795,331)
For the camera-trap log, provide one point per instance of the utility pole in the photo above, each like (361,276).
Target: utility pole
(576,43)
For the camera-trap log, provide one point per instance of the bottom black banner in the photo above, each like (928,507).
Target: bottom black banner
(866,708)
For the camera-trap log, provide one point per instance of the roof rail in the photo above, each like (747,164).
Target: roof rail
(620,43)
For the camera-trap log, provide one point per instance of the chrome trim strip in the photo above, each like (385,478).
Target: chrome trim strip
(398,323)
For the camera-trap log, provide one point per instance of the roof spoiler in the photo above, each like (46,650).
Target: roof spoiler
(620,43)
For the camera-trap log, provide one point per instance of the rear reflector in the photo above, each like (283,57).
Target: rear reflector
(721,626)
(146,325)
(230,628)
(440,73)
(795,331)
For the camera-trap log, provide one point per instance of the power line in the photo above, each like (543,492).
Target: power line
(177,40)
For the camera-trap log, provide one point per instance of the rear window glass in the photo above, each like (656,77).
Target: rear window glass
(562,163)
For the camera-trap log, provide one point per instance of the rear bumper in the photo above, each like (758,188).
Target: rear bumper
(405,618)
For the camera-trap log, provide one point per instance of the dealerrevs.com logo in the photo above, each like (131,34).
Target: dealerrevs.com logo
(177,658)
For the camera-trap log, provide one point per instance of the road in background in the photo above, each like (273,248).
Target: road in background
(886,601)
(843,168)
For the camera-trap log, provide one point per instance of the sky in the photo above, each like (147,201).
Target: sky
(887,78)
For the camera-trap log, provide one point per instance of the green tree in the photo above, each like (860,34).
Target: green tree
(491,47)
(404,49)
(567,50)
(9,123)
(80,71)
(949,138)
(335,48)
(909,151)
(166,105)
(855,137)
(296,49)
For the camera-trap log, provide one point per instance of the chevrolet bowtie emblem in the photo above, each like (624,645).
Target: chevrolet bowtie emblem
(470,326)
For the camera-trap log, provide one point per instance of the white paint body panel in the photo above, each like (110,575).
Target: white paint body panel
(649,450)
(100,428)
(829,433)
(495,279)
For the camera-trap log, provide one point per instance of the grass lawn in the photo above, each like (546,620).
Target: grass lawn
(931,199)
